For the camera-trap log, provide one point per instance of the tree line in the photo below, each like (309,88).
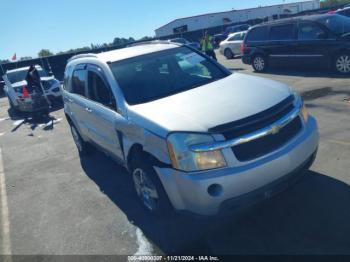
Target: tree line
(116,42)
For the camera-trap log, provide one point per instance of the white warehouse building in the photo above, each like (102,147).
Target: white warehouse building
(200,22)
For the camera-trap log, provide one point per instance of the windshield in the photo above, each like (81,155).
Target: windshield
(161,74)
(336,23)
(18,76)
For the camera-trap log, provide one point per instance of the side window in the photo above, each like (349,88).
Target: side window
(257,34)
(99,91)
(235,37)
(282,32)
(309,31)
(78,82)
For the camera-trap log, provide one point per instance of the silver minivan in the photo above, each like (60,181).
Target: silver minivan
(193,135)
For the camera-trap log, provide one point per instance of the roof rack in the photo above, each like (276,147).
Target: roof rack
(151,42)
(81,56)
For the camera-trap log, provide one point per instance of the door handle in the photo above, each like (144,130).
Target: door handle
(87,109)
(70,100)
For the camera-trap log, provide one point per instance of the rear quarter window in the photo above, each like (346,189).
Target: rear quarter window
(257,34)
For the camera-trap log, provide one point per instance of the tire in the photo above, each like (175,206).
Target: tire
(342,63)
(149,189)
(84,148)
(228,53)
(259,63)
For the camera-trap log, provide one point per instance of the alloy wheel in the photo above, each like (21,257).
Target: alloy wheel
(259,63)
(145,189)
(343,64)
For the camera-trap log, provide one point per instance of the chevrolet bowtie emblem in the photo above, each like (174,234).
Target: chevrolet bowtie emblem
(275,129)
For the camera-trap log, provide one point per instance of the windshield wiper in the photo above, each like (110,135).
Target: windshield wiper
(345,34)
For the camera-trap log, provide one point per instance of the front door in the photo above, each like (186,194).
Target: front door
(102,117)
(281,45)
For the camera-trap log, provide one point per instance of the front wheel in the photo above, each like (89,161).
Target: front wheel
(259,63)
(149,188)
(342,63)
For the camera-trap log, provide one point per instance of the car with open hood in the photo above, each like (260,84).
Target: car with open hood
(16,88)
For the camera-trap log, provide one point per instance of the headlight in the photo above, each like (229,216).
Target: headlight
(305,113)
(303,110)
(184,159)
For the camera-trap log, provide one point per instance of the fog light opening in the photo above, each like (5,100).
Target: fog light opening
(215,190)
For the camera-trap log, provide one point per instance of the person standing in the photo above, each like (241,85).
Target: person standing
(207,46)
(40,102)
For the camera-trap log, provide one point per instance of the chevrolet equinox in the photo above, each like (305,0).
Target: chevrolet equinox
(193,135)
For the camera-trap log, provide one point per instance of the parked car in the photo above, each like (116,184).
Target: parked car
(316,41)
(183,41)
(344,11)
(193,136)
(15,83)
(236,28)
(231,46)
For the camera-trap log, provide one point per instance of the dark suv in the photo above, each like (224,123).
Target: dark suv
(317,41)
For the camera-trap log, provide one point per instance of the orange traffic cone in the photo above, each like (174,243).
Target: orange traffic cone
(25,92)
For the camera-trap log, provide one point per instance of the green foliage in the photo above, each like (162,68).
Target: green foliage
(122,41)
(76,50)
(44,52)
(4,61)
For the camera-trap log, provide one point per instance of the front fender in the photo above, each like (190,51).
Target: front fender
(150,143)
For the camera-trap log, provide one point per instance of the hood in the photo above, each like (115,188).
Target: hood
(19,84)
(229,99)
(46,78)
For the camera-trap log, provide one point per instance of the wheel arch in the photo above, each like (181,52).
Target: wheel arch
(137,151)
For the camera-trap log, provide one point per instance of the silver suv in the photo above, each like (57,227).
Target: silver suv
(194,136)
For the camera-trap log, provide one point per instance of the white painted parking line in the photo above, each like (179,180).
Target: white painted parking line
(5,221)
(145,248)
(2,119)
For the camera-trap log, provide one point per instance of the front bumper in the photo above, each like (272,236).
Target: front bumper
(190,191)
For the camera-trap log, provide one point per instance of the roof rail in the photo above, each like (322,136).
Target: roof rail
(81,56)
(152,42)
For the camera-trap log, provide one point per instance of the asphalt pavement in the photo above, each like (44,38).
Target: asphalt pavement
(54,202)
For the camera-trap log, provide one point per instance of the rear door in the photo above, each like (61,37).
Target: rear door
(314,44)
(75,97)
(235,43)
(102,117)
(282,41)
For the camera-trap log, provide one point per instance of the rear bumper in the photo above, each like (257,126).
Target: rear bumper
(243,183)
